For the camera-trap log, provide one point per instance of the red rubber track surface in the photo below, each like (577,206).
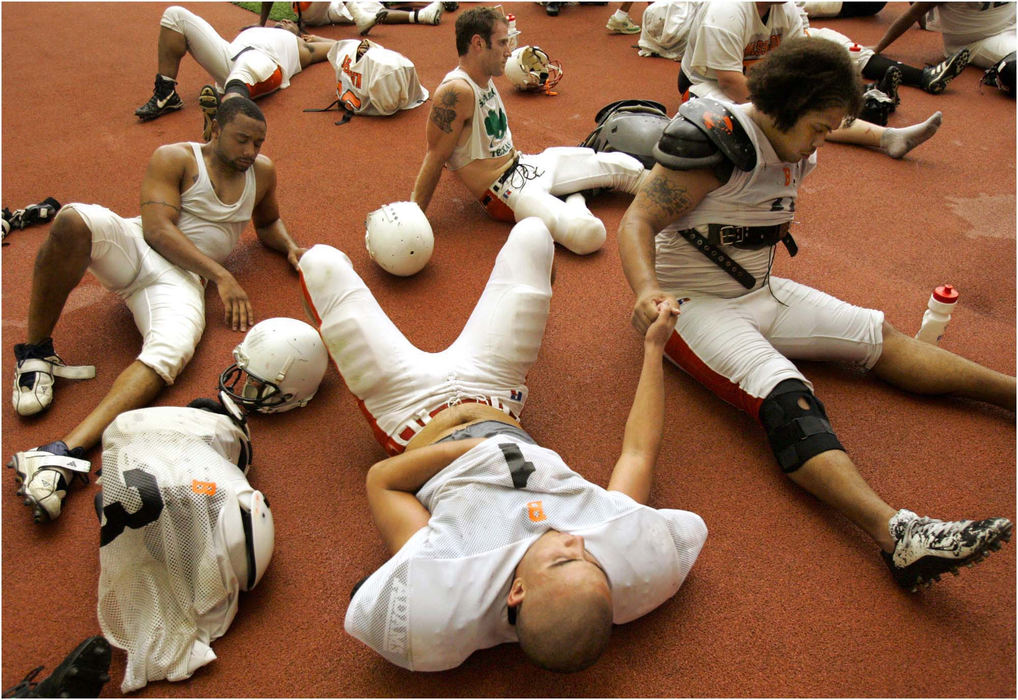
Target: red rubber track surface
(787,598)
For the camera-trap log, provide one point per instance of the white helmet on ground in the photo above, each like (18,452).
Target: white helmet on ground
(247,533)
(281,362)
(529,68)
(399,238)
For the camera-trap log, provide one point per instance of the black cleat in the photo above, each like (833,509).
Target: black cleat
(81,675)
(925,548)
(889,84)
(935,78)
(164,99)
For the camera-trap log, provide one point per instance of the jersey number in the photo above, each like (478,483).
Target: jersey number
(519,469)
(117,517)
(779,204)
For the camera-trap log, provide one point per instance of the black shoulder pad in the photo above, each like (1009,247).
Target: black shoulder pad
(630,106)
(705,134)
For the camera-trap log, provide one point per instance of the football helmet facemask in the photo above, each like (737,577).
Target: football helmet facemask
(277,367)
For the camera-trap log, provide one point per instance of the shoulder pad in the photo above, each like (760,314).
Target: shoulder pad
(705,134)
(649,106)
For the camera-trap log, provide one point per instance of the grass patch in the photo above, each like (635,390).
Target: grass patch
(280,10)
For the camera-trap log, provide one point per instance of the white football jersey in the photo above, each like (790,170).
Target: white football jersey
(381,82)
(443,595)
(731,36)
(763,196)
(167,589)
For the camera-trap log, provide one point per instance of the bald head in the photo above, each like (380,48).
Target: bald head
(564,628)
(563,603)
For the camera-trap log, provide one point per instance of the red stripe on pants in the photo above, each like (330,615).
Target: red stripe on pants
(680,353)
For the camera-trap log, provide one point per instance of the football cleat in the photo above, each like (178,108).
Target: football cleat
(164,99)
(622,26)
(889,84)
(81,675)
(208,102)
(430,14)
(926,548)
(365,20)
(33,376)
(43,476)
(935,78)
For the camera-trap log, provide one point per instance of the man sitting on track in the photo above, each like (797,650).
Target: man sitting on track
(704,228)
(195,202)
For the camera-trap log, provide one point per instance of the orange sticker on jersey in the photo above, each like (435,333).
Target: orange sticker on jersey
(203,487)
(788,177)
(535,511)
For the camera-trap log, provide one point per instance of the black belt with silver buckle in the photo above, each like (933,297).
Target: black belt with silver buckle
(710,248)
(748,237)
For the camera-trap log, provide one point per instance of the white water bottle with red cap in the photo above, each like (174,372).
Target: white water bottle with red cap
(935,317)
(512,32)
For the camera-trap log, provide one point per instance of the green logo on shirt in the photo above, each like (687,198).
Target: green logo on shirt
(495,124)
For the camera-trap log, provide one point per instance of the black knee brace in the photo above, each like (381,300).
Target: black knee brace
(796,434)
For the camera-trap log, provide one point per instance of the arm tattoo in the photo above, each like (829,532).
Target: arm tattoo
(672,200)
(445,114)
(165,204)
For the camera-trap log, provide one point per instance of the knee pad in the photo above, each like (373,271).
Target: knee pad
(580,234)
(796,434)
(171,18)
(168,353)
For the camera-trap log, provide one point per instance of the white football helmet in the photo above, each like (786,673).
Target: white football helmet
(399,238)
(247,532)
(281,362)
(529,68)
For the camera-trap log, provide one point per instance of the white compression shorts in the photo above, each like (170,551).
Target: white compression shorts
(533,187)
(212,52)
(167,303)
(742,348)
(400,387)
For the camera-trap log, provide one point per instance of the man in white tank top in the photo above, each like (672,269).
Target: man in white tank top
(259,61)
(195,201)
(706,234)
(468,132)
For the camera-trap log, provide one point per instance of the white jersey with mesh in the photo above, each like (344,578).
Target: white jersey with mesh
(380,82)
(443,595)
(166,585)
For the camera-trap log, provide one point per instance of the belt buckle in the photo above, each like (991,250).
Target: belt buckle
(729,235)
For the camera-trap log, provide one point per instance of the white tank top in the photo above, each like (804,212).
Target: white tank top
(212,226)
(489,128)
(763,196)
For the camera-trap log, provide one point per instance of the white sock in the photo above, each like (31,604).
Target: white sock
(620,16)
(898,142)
